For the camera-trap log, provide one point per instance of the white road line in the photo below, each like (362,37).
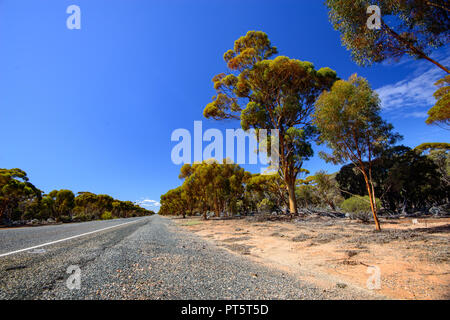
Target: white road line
(65,239)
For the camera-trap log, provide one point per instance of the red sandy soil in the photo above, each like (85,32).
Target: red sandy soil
(412,254)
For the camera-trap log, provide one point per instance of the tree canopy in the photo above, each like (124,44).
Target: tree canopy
(439,114)
(408,27)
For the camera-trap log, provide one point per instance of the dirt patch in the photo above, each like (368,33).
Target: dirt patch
(236,239)
(412,257)
(277,234)
(239,248)
(325,237)
(301,237)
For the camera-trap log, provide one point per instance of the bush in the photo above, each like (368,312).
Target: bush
(28,215)
(81,218)
(266,205)
(358,205)
(107,215)
(65,219)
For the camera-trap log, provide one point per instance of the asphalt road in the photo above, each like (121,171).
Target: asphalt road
(16,239)
(142,258)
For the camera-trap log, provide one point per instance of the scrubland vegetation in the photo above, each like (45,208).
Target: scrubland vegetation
(21,202)
(406,181)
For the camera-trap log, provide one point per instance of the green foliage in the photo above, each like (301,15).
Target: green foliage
(265,205)
(17,194)
(430,146)
(409,27)
(414,182)
(351,181)
(81,217)
(64,202)
(326,188)
(349,121)
(358,204)
(107,215)
(439,114)
(207,186)
(21,200)
(440,154)
(404,179)
(260,187)
(65,219)
(307,196)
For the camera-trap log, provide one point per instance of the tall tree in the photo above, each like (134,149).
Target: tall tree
(198,179)
(414,182)
(65,202)
(212,185)
(348,118)
(271,94)
(15,188)
(408,27)
(173,203)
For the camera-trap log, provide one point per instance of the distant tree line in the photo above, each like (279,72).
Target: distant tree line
(20,200)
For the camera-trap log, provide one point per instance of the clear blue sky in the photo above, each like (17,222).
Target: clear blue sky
(93,109)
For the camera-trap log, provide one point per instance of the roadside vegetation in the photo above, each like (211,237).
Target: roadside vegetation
(308,105)
(405,182)
(23,203)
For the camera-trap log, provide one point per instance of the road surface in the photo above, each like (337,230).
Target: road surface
(139,258)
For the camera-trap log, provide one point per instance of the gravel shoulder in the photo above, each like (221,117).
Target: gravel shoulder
(152,259)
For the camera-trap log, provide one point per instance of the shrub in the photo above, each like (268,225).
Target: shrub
(358,205)
(81,218)
(265,205)
(107,215)
(28,215)
(65,219)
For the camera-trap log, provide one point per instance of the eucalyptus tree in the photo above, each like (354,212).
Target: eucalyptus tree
(213,185)
(266,93)
(349,122)
(15,188)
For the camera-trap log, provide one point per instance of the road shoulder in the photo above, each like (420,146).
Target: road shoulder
(411,260)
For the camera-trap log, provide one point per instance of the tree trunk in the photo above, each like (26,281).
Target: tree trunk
(216,208)
(204,211)
(372,204)
(292,200)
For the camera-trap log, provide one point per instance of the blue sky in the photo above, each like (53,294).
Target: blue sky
(94,109)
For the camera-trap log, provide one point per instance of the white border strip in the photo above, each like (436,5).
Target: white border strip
(65,239)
